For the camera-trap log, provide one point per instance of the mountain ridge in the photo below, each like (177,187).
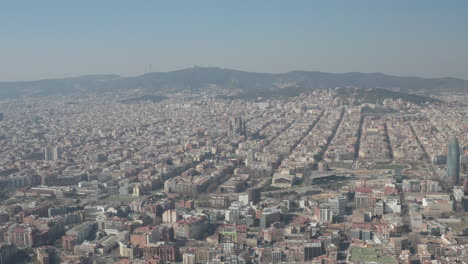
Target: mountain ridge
(198,78)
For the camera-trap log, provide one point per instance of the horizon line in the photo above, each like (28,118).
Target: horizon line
(223,68)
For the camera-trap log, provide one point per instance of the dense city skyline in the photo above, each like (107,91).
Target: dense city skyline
(219,132)
(208,176)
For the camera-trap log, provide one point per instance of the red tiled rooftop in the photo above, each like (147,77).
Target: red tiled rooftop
(363,190)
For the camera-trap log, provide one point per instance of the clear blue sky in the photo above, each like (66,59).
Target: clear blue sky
(48,39)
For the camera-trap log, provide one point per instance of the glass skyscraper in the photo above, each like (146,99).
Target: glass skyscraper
(453,162)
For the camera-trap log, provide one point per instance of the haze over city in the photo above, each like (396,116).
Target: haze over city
(240,132)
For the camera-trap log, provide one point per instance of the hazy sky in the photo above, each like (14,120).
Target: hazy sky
(48,39)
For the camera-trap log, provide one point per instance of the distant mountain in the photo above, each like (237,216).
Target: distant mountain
(198,78)
(376,95)
(64,86)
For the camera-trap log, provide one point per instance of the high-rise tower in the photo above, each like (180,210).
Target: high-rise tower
(453,162)
(237,127)
(48,154)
